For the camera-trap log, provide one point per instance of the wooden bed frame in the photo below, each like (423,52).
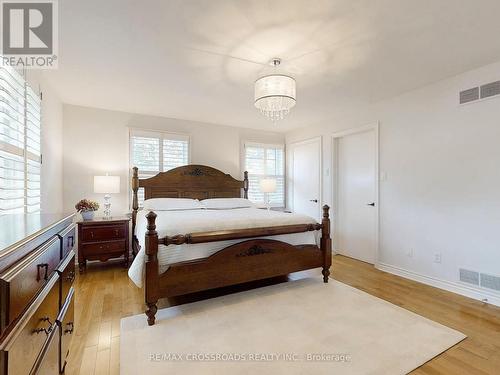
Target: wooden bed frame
(249,260)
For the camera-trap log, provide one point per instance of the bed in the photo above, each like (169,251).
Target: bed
(181,252)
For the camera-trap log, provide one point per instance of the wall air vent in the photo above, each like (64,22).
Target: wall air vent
(470,277)
(491,89)
(480,279)
(482,92)
(469,95)
(490,282)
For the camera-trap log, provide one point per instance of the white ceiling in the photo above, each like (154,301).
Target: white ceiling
(195,59)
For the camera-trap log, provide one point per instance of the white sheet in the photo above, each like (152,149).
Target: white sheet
(170,223)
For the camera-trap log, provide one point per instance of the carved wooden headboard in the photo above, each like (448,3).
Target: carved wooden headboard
(190,181)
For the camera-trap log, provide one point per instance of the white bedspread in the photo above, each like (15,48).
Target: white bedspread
(170,223)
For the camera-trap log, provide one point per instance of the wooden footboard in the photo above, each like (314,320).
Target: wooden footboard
(252,259)
(245,261)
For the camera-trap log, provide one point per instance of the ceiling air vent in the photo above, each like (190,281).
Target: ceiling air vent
(491,89)
(469,95)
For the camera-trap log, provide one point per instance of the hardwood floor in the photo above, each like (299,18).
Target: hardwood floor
(105,294)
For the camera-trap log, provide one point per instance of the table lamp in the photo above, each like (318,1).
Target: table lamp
(107,185)
(268,185)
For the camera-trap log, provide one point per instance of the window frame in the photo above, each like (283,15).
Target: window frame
(161,135)
(266,145)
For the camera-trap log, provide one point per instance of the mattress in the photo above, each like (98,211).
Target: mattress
(171,223)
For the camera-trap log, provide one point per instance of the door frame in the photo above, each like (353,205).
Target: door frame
(335,169)
(290,148)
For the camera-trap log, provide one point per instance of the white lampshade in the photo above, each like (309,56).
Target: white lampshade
(275,95)
(107,184)
(268,185)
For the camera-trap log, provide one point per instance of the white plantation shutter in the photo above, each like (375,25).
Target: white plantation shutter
(20,151)
(153,152)
(33,151)
(146,154)
(12,183)
(175,153)
(265,161)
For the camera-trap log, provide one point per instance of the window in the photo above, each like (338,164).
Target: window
(20,151)
(265,161)
(153,152)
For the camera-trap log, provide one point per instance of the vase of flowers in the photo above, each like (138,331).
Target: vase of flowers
(87,208)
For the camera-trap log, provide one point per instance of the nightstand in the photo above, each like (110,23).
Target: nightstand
(103,239)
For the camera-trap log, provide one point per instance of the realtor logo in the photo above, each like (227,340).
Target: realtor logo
(29,33)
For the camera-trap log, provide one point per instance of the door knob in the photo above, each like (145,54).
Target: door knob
(371,204)
(313,200)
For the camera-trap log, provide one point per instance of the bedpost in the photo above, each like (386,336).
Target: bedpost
(135,207)
(326,243)
(245,185)
(151,268)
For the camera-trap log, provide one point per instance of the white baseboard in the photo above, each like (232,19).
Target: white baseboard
(479,294)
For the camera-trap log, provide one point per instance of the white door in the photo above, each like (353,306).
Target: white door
(356,216)
(306,177)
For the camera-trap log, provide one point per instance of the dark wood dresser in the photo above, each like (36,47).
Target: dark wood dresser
(37,270)
(103,239)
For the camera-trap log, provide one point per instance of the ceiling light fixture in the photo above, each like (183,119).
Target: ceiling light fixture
(275,94)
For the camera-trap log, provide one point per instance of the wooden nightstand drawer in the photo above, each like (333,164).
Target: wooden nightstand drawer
(102,248)
(103,233)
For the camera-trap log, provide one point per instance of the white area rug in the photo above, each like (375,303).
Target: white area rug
(299,327)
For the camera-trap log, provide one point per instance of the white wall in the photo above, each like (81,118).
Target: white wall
(52,136)
(442,192)
(96,142)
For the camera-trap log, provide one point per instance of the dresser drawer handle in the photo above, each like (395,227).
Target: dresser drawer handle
(46,330)
(71,241)
(116,232)
(91,234)
(40,330)
(71,327)
(38,267)
(71,276)
(46,319)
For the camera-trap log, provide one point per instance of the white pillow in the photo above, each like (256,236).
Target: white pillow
(226,203)
(172,204)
